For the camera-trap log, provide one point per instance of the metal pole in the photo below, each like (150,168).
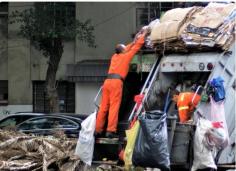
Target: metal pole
(95,99)
(144,88)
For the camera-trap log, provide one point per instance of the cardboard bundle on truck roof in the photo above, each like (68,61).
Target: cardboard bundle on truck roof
(195,28)
(170,24)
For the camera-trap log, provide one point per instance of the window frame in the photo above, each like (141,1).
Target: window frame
(52,117)
(3,92)
(66,93)
(160,7)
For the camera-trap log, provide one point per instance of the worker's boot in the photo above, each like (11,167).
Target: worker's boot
(111,135)
(98,134)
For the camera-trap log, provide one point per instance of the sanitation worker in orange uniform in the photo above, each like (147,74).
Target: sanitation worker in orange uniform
(113,85)
(186,103)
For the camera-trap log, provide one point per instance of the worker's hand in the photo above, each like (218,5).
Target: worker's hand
(139,34)
(137,37)
(145,30)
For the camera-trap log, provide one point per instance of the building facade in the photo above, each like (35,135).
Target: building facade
(23,68)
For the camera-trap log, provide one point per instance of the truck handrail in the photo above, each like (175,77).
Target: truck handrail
(151,77)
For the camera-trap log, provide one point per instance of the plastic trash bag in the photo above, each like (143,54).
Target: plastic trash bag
(218,116)
(203,157)
(131,135)
(151,146)
(215,137)
(216,89)
(85,144)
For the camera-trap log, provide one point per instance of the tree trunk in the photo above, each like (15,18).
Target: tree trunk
(51,88)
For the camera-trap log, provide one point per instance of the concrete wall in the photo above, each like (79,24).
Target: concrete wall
(14,108)
(114,23)
(85,94)
(19,83)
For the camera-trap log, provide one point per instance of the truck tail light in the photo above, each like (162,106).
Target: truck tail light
(210,66)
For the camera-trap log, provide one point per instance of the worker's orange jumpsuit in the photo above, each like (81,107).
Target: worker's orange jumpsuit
(112,88)
(186,105)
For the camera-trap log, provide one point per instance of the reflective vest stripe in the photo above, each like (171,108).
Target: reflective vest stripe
(183,108)
(182,97)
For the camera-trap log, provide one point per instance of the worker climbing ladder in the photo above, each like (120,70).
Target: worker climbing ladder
(116,143)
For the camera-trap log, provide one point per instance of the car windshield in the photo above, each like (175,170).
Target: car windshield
(47,123)
(8,122)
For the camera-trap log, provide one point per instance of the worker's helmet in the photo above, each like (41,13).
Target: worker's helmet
(120,48)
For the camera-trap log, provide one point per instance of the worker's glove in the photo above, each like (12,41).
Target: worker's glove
(145,29)
(137,36)
(138,99)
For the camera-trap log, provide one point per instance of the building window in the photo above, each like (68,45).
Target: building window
(149,11)
(66,93)
(3,92)
(62,10)
(3,17)
(3,8)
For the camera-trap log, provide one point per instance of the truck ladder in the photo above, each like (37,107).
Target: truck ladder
(146,88)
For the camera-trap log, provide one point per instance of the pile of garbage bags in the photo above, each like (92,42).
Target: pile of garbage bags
(211,136)
(195,28)
(25,152)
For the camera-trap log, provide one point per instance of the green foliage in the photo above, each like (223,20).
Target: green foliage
(50,21)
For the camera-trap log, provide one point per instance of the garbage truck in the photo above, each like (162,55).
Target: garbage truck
(154,75)
(177,65)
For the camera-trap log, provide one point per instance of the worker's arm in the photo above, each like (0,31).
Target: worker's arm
(134,48)
(128,47)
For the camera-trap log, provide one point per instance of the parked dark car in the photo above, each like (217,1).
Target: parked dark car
(49,124)
(80,116)
(14,119)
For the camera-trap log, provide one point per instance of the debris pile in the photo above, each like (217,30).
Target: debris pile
(25,152)
(195,28)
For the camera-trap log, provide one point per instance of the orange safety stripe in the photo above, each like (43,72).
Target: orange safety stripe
(183,108)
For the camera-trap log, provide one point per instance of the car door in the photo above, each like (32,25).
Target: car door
(49,125)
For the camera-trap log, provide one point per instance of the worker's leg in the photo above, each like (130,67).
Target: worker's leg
(115,101)
(184,115)
(103,109)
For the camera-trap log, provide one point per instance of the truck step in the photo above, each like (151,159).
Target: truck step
(107,141)
(109,162)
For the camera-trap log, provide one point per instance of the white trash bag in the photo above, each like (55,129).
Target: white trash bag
(203,156)
(215,137)
(85,145)
(218,116)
